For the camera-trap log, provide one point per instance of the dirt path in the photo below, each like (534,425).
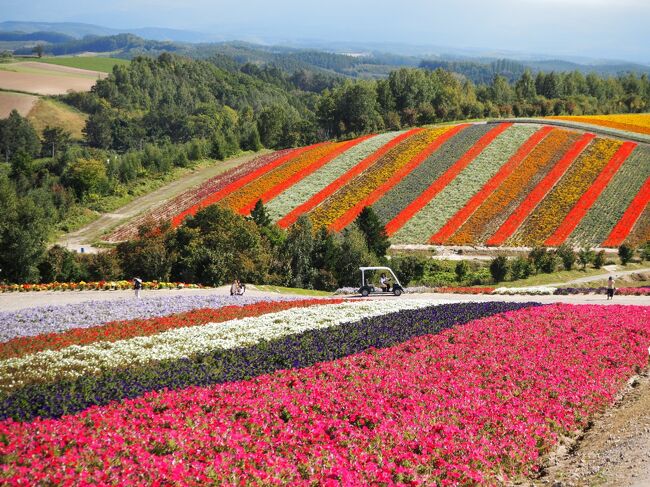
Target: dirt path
(84,237)
(614,452)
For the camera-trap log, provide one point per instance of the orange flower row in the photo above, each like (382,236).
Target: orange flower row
(496,208)
(558,202)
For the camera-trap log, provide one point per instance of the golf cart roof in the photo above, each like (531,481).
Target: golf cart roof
(375,269)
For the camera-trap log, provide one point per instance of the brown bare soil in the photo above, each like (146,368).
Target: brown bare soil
(16,101)
(46,79)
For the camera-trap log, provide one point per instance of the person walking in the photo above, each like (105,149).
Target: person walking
(610,288)
(137,286)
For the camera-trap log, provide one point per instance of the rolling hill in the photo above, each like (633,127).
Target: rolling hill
(494,184)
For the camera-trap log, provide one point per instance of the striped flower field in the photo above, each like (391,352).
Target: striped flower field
(309,391)
(495,184)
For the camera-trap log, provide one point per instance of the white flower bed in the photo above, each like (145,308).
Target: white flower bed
(525,291)
(78,360)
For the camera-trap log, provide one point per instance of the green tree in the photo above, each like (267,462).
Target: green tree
(38,49)
(59,264)
(585,257)
(87,176)
(499,268)
(55,139)
(147,257)
(567,255)
(461,270)
(525,87)
(216,246)
(23,233)
(354,254)
(373,231)
(625,253)
(599,259)
(325,254)
(17,135)
(259,215)
(297,252)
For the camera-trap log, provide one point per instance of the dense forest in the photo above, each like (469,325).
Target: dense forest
(157,114)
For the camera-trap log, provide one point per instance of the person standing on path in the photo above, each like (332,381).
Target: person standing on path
(137,286)
(610,288)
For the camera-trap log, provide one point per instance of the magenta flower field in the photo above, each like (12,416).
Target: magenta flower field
(476,402)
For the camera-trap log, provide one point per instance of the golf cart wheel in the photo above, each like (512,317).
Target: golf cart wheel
(365,293)
(397,292)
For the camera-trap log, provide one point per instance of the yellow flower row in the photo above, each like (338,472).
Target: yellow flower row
(555,206)
(496,209)
(251,192)
(357,189)
(631,122)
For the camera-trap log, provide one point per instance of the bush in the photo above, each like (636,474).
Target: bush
(499,268)
(599,259)
(586,256)
(625,253)
(520,268)
(409,269)
(567,255)
(644,252)
(461,270)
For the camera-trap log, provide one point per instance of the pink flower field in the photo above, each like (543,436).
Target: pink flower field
(477,403)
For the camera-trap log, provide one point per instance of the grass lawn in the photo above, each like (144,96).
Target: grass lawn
(290,290)
(93,63)
(48,111)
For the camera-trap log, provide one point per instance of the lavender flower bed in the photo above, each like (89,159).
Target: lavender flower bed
(48,319)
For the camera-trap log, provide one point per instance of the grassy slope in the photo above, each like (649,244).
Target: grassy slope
(48,111)
(93,63)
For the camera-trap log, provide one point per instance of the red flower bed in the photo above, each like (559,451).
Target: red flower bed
(369,200)
(631,215)
(420,202)
(122,330)
(332,188)
(479,198)
(589,198)
(476,404)
(537,195)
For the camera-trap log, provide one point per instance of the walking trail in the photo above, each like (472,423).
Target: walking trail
(87,235)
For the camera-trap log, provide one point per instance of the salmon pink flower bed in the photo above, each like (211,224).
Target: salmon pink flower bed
(476,403)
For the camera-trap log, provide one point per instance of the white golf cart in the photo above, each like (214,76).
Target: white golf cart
(367,287)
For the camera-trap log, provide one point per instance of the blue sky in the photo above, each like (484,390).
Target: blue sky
(593,28)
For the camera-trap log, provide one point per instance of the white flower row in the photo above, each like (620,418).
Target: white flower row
(79,360)
(530,290)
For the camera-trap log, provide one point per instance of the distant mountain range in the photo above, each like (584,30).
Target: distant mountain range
(354,59)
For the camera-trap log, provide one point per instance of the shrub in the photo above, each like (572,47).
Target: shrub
(461,270)
(499,268)
(520,268)
(625,253)
(567,255)
(599,259)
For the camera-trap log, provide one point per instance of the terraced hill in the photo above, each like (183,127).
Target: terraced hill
(495,184)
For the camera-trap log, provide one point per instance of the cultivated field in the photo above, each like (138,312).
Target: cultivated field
(46,79)
(16,101)
(496,184)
